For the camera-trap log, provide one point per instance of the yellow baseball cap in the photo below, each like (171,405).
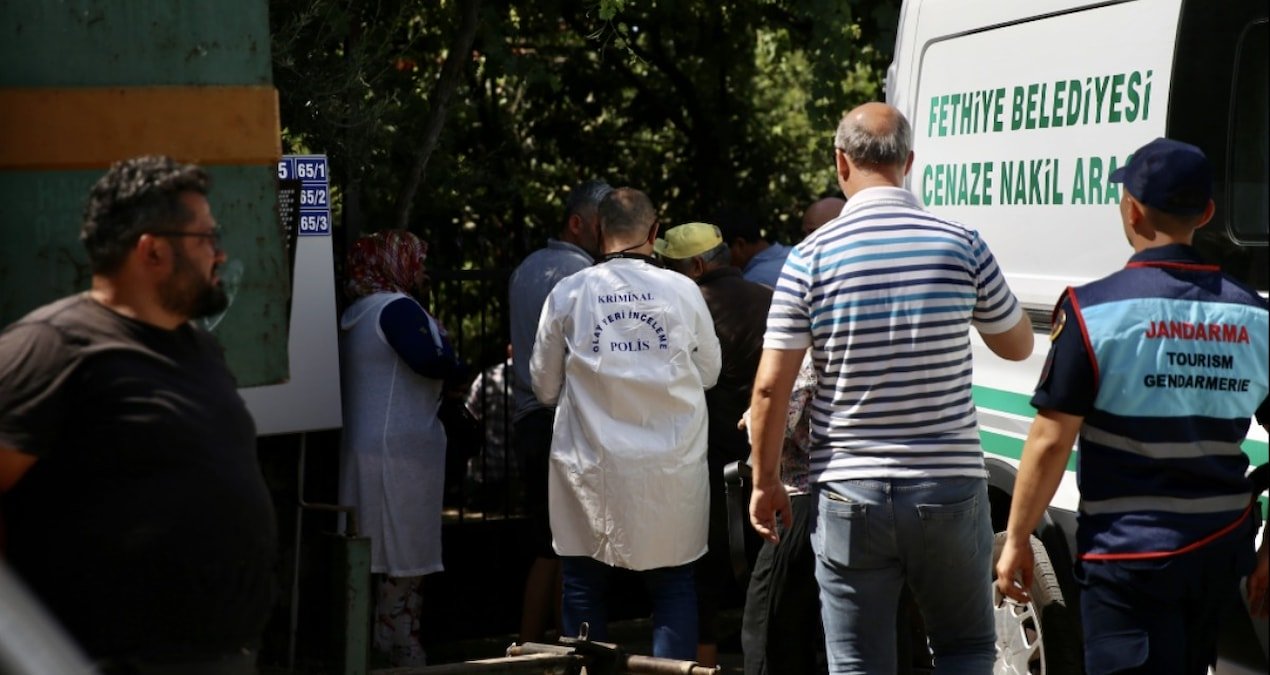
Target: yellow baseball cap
(688,240)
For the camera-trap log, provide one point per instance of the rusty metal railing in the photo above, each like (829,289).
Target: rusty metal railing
(567,658)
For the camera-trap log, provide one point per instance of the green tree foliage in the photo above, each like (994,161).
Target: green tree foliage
(701,103)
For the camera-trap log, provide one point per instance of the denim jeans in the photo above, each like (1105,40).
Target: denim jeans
(873,536)
(673,592)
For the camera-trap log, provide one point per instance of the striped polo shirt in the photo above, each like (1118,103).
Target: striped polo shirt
(885,295)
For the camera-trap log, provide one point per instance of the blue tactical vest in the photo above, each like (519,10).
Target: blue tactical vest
(1180,361)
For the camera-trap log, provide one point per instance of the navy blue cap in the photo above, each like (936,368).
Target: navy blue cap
(1168,175)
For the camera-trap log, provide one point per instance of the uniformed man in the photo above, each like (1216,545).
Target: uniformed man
(1159,368)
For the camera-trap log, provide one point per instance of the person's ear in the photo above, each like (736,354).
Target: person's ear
(652,231)
(1135,216)
(908,164)
(150,251)
(843,166)
(575,224)
(1208,214)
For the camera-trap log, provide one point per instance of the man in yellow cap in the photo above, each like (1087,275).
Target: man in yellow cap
(739,310)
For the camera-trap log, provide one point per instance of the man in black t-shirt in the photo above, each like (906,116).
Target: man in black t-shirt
(133,503)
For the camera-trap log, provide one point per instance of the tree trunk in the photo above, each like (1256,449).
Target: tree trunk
(460,51)
(351,212)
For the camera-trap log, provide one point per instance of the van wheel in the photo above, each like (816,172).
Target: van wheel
(1041,637)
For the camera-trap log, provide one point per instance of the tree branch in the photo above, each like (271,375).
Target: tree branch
(442,91)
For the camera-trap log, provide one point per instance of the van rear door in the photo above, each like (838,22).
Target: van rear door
(1219,102)
(1021,111)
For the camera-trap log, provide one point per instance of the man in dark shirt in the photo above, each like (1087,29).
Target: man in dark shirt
(134,504)
(739,310)
(573,249)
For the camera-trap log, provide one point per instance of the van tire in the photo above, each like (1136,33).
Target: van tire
(1025,646)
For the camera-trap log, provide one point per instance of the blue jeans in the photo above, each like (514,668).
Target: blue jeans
(873,536)
(674,597)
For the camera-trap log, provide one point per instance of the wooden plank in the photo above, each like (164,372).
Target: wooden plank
(91,127)
(529,664)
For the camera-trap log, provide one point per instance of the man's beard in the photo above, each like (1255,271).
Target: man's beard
(190,295)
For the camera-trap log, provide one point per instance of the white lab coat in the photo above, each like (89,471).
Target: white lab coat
(626,350)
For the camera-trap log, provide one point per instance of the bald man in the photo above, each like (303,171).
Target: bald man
(820,212)
(897,452)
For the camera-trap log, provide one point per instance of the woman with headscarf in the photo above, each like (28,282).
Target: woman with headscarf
(394,359)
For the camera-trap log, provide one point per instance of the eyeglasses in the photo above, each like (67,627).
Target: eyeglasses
(214,236)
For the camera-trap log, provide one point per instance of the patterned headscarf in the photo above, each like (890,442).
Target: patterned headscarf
(385,262)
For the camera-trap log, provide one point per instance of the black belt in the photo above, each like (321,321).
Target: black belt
(1260,478)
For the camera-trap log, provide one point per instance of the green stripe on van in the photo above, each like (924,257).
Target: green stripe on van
(1003,401)
(1008,446)
(1018,404)
(997,444)
(1258,452)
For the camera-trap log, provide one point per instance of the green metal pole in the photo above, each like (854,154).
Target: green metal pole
(352,603)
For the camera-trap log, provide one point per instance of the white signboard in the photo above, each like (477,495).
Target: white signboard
(310,399)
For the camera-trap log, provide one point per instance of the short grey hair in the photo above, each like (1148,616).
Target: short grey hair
(865,146)
(626,212)
(719,256)
(680,265)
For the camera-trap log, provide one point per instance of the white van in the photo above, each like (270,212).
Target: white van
(1020,111)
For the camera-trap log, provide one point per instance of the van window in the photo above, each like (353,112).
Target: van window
(1219,102)
(1250,139)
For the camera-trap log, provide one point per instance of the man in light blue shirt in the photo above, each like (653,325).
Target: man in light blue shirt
(760,260)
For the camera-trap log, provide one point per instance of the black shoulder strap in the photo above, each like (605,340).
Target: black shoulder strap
(1260,478)
(736,485)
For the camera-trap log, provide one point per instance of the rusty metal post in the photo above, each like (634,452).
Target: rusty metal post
(352,602)
(605,655)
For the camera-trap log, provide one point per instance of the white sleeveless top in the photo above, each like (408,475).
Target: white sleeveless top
(392,460)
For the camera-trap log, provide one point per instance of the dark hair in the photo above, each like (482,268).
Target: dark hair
(136,196)
(738,221)
(584,198)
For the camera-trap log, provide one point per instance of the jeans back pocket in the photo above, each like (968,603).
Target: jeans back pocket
(842,532)
(953,531)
